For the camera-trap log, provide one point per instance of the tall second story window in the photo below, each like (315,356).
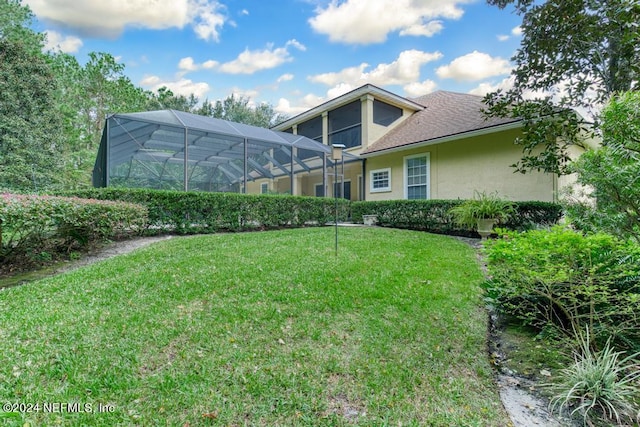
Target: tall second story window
(384,114)
(345,125)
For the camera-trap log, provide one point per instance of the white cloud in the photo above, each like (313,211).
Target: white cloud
(99,18)
(307,102)
(56,41)
(284,107)
(474,66)
(150,81)
(416,89)
(285,78)
(187,64)
(206,18)
(515,32)
(181,86)
(404,70)
(340,89)
(427,30)
(210,64)
(487,87)
(250,61)
(366,21)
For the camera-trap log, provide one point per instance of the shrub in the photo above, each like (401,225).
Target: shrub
(42,224)
(434,215)
(611,172)
(202,212)
(562,279)
(598,385)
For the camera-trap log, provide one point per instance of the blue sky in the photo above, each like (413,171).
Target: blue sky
(293,54)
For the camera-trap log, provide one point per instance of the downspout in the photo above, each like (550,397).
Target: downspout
(364,179)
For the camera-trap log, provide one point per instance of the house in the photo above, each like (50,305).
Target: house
(438,146)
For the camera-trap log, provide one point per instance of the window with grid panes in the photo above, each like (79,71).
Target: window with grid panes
(416,169)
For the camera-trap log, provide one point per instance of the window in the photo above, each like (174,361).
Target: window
(385,114)
(345,125)
(416,176)
(380,180)
(264,187)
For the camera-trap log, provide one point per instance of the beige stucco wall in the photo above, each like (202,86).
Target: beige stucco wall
(458,168)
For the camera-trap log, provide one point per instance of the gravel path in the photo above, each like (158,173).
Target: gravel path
(111,250)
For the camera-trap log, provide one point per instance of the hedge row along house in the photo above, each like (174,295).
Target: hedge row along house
(438,146)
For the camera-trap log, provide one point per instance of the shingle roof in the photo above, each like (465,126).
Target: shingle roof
(446,114)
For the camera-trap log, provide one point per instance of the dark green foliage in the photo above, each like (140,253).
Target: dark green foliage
(434,215)
(577,53)
(30,129)
(33,225)
(562,280)
(200,212)
(238,109)
(611,174)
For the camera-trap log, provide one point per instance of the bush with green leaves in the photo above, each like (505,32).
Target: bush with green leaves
(31,224)
(202,212)
(562,280)
(599,385)
(610,174)
(435,215)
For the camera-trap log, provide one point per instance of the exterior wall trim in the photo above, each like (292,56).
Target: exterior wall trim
(471,134)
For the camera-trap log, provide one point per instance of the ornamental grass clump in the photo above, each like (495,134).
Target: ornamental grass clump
(600,386)
(482,206)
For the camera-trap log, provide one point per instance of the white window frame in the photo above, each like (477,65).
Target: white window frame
(264,187)
(405,184)
(372,189)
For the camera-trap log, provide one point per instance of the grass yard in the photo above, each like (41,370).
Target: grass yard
(259,329)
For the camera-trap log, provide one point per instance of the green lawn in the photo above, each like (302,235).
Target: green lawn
(258,329)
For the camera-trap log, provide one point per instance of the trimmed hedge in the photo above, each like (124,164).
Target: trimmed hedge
(32,224)
(202,212)
(433,215)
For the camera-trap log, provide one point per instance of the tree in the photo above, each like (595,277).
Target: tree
(30,128)
(612,173)
(165,99)
(85,97)
(578,53)
(238,109)
(15,20)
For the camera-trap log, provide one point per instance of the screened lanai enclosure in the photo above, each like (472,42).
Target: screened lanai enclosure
(175,150)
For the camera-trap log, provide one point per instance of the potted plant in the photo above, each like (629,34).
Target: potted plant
(482,212)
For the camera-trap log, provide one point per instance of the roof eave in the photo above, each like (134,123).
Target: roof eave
(443,139)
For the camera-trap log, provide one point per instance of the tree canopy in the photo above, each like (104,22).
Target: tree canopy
(574,54)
